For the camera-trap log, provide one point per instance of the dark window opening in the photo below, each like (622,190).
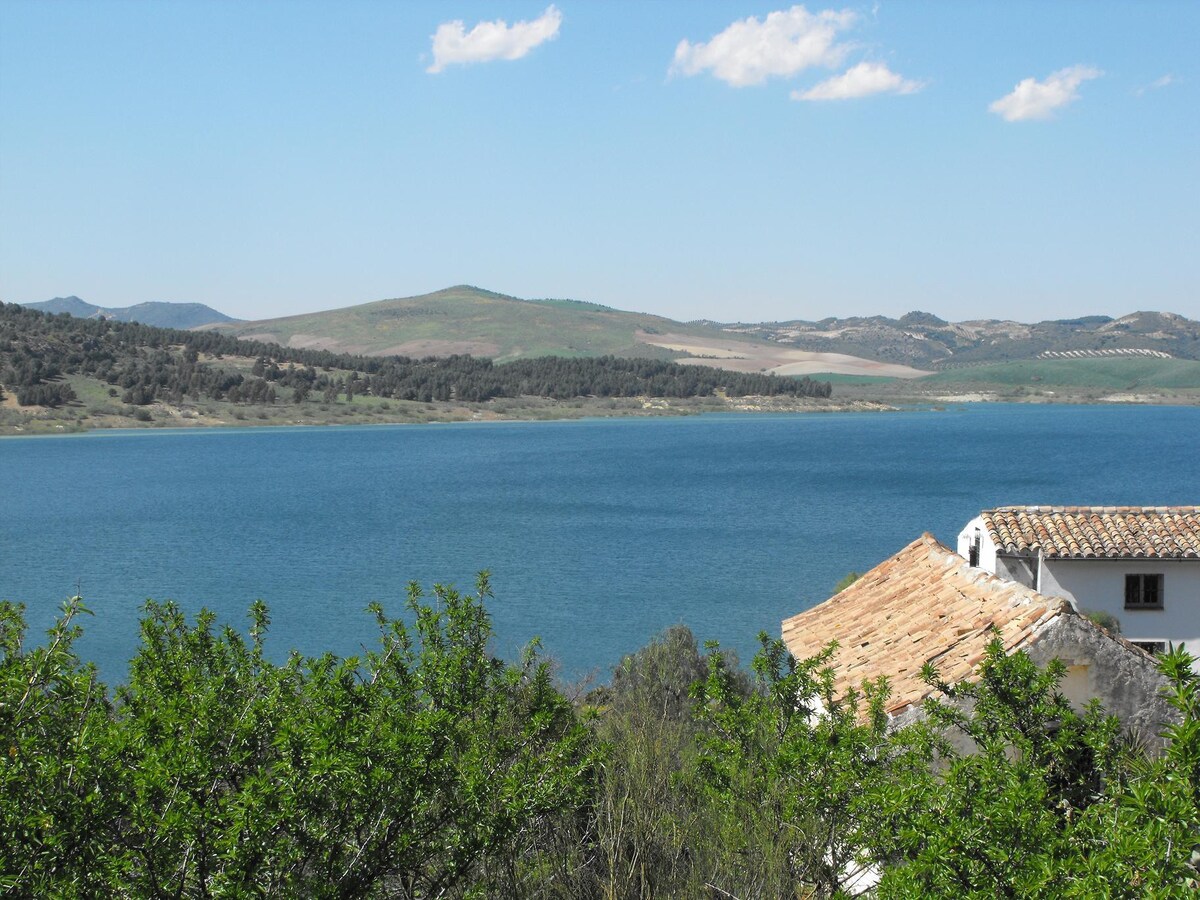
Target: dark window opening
(1143,592)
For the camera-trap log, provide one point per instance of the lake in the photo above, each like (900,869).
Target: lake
(598,533)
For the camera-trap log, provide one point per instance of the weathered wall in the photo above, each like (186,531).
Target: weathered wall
(1021,569)
(1124,679)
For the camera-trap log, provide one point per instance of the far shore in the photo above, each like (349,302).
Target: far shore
(80,417)
(77,418)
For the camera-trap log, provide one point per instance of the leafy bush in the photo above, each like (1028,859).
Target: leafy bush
(428,768)
(1047,802)
(419,770)
(1105,620)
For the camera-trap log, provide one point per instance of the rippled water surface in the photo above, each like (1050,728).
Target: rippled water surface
(598,533)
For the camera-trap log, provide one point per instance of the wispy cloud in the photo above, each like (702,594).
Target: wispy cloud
(488,41)
(1157,83)
(1032,99)
(751,51)
(861,80)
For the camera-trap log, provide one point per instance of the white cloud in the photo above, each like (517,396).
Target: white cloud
(862,80)
(785,42)
(1039,99)
(1156,84)
(487,41)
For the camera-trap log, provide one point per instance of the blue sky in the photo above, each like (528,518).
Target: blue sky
(732,161)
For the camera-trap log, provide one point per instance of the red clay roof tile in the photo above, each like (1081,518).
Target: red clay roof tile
(1089,532)
(923,604)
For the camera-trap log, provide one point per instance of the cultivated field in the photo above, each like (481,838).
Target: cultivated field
(760,356)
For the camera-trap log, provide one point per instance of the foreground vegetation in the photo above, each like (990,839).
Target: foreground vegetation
(429,769)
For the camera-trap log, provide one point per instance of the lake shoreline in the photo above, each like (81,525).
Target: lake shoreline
(206,415)
(82,418)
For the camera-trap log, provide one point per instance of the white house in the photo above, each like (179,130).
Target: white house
(926,604)
(1140,564)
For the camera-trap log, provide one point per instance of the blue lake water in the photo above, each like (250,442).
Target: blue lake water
(598,533)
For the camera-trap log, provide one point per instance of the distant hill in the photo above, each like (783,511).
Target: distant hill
(51,361)
(157,313)
(925,341)
(471,320)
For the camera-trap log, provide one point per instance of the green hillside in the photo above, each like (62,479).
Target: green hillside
(1106,374)
(839,378)
(470,320)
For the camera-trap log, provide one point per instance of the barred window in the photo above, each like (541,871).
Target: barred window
(1143,592)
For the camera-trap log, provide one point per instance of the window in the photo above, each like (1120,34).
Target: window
(1143,592)
(1155,647)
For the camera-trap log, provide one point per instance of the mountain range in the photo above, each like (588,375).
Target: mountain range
(925,341)
(471,320)
(161,314)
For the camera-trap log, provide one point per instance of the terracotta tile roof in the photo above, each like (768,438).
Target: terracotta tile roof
(925,604)
(1097,532)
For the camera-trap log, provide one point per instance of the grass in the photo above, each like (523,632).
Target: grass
(92,392)
(837,378)
(1138,374)
(487,324)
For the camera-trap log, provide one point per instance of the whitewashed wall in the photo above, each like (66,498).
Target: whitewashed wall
(1019,569)
(1099,584)
(966,537)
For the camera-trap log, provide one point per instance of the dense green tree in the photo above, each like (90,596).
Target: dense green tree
(647,832)
(1141,837)
(789,772)
(52,394)
(61,794)
(420,770)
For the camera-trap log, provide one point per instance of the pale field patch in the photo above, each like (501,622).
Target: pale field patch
(758,356)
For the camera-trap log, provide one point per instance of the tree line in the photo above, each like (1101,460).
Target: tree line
(143,364)
(427,768)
